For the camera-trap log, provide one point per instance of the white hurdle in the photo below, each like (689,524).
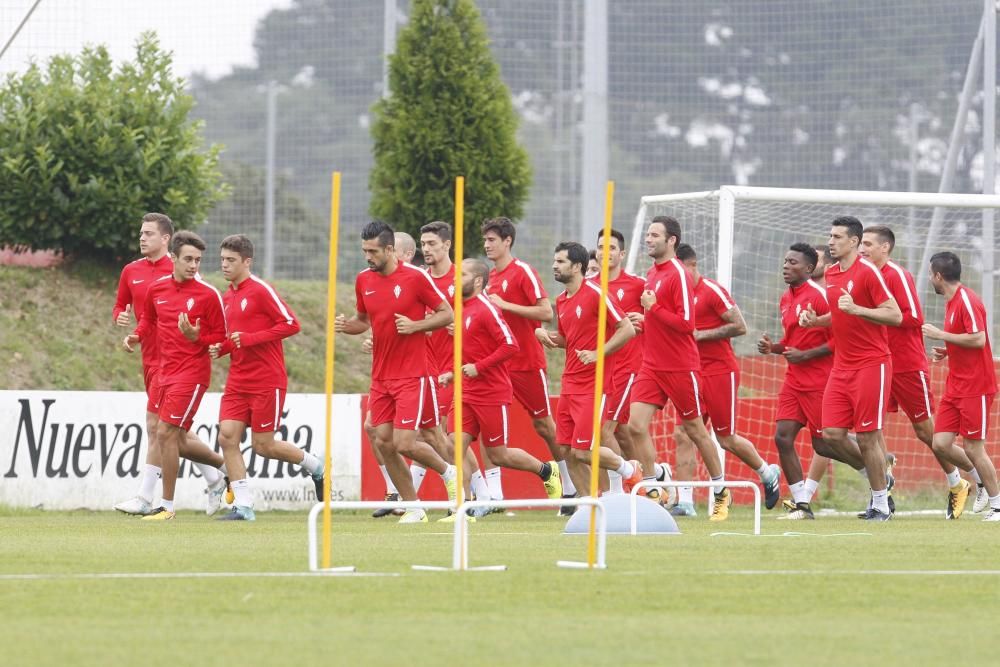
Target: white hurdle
(460,551)
(341,505)
(653,484)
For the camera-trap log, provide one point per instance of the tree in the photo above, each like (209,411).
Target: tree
(449,114)
(85,150)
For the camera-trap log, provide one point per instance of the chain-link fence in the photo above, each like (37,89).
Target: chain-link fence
(797,93)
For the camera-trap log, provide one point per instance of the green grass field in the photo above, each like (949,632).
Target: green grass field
(918,590)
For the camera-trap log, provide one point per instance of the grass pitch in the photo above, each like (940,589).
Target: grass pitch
(917,590)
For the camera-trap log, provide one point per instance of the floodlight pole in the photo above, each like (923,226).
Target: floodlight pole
(989,150)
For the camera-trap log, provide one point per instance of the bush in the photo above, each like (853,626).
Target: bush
(85,150)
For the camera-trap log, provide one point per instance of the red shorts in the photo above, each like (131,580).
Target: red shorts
(445,397)
(179,403)
(802,406)
(408,403)
(911,392)
(618,410)
(531,389)
(681,387)
(151,378)
(575,419)
(260,409)
(719,394)
(489,423)
(969,416)
(856,399)
(431,415)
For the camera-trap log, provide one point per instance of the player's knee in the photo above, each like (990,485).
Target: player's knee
(832,435)
(784,443)
(499,456)
(822,448)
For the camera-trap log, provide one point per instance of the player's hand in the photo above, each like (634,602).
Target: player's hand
(469,371)
(405,325)
(794,356)
(235,337)
(125,317)
(932,332)
(544,337)
(367,345)
(637,320)
(129,341)
(498,302)
(939,353)
(445,378)
(450,328)
(215,350)
(190,331)
(340,323)
(698,334)
(764,344)
(586,357)
(808,317)
(846,303)
(648,299)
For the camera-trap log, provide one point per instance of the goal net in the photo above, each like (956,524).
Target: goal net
(741,235)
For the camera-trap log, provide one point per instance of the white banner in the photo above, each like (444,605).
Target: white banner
(85,449)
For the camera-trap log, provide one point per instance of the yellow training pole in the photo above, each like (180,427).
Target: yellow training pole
(602,320)
(331,314)
(457,345)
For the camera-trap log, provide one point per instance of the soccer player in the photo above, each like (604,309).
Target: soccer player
(972,383)
(670,361)
(258,320)
(807,351)
(910,372)
(487,345)
(392,300)
(577,318)
(136,278)
(187,317)
(718,319)
(515,288)
(857,391)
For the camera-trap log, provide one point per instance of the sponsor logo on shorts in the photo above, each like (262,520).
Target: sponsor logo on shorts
(688,412)
(867,423)
(496,438)
(369,292)
(919,415)
(160,302)
(176,416)
(136,282)
(538,412)
(266,425)
(580,442)
(972,432)
(408,421)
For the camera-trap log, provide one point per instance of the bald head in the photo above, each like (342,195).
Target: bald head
(475,274)
(405,247)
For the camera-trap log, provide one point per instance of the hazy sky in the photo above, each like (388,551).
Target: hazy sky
(207,36)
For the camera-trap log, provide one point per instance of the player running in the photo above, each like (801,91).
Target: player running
(972,383)
(670,361)
(718,319)
(517,291)
(136,278)
(911,390)
(857,391)
(392,300)
(577,318)
(258,320)
(487,345)
(185,315)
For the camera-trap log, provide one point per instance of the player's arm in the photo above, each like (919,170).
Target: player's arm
(540,312)
(357,324)
(147,324)
(123,303)
(734,327)
(438,319)
(283,324)
(550,339)
(886,313)
(624,332)
(973,340)
(504,347)
(682,321)
(210,330)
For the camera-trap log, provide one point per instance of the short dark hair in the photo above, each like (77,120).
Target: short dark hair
(593,255)
(615,233)
(825,251)
(163,222)
(948,265)
(576,253)
(480,270)
(670,224)
(238,243)
(378,230)
(852,224)
(686,252)
(183,238)
(438,227)
(884,234)
(807,251)
(502,227)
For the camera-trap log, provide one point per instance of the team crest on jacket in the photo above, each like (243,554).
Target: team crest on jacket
(503,285)
(243,304)
(696,301)
(798,309)
(850,285)
(451,291)
(397,290)
(190,303)
(468,321)
(621,294)
(656,287)
(579,312)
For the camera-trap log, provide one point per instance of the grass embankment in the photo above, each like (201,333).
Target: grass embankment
(56,333)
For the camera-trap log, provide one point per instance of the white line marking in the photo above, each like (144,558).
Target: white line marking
(879,573)
(792,534)
(188,575)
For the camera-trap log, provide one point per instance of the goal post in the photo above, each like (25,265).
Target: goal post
(740,235)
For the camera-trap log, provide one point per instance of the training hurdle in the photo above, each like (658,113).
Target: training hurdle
(460,547)
(347,505)
(653,484)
